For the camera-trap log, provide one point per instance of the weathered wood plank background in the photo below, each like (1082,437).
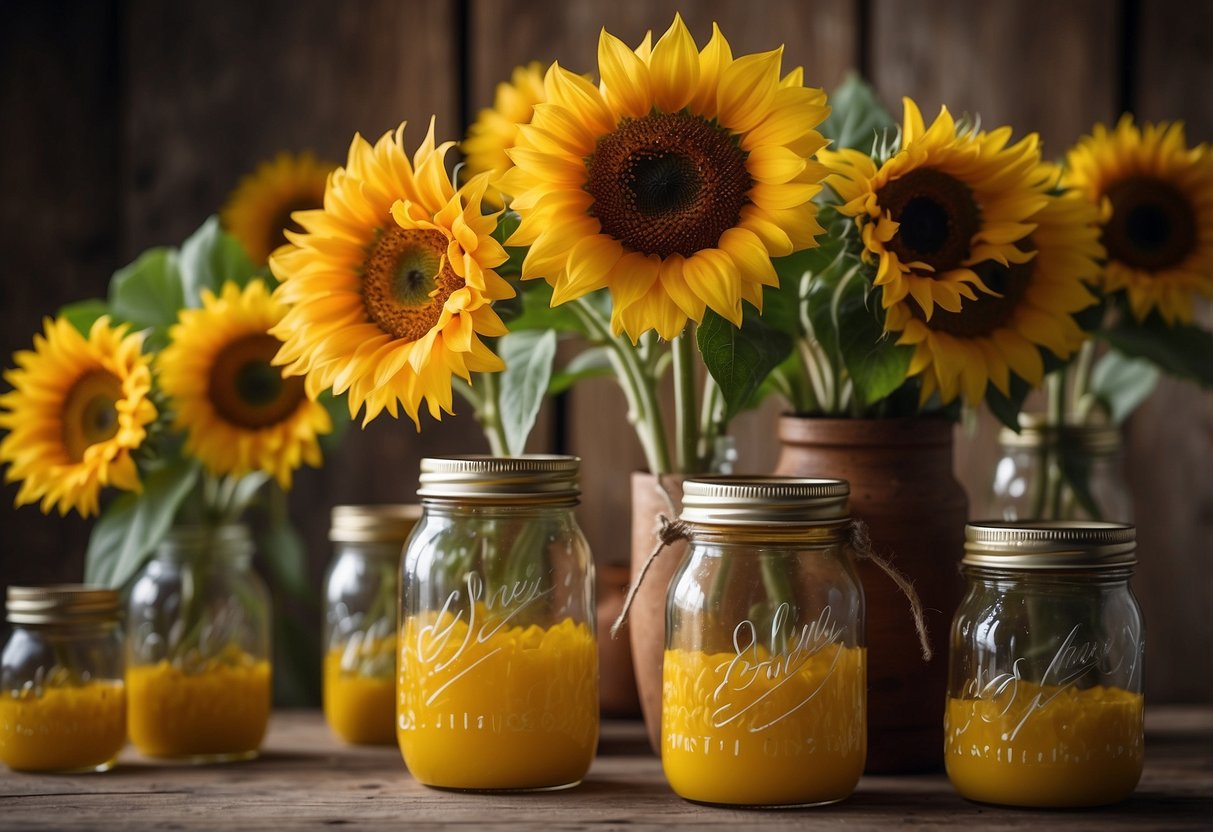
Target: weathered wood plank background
(123,123)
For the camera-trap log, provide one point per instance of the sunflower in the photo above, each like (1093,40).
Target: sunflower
(259,210)
(390,285)
(238,412)
(1032,309)
(78,408)
(672,184)
(944,202)
(1158,194)
(496,127)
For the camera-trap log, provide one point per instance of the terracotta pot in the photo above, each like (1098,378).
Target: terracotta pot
(647,616)
(616,680)
(903,487)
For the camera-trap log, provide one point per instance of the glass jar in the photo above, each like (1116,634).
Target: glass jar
(764,699)
(198,648)
(1071,472)
(360,592)
(498,672)
(1045,674)
(62,704)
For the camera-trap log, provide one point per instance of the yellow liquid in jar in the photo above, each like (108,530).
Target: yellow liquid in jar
(218,712)
(754,730)
(483,705)
(360,709)
(66,728)
(1045,746)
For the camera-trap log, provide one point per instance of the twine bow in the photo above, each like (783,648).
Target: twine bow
(671,531)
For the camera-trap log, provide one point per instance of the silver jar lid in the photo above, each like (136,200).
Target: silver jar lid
(1042,545)
(373,524)
(1035,432)
(513,479)
(764,501)
(61,604)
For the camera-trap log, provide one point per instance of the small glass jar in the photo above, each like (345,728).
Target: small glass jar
(498,672)
(198,648)
(764,699)
(1045,675)
(360,592)
(62,703)
(1069,472)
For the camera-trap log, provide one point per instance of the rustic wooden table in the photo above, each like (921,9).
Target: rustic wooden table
(306,779)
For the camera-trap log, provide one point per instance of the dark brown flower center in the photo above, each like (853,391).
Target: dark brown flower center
(89,412)
(1153,225)
(667,183)
(406,281)
(988,313)
(246,390)
(937,214)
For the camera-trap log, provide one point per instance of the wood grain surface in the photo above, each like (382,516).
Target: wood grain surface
(124,123)
(305,779)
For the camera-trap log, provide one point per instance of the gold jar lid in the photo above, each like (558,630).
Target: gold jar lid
(61,604)
(1041,545)
(373,524)
(511,479)
(1036,432)
(764,501)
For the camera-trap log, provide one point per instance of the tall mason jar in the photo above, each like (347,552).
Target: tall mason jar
(62,703)
(361,588)
(498,671)
(198,648)
(1066,472)
(1045,672)
(764,697)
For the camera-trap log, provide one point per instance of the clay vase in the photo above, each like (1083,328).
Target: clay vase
(902,486)
(647,617)
(616,679)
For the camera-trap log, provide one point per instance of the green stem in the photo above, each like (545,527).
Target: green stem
(686,428)
(1056,389)
(1081,401)
(489,416)
(711,425)
(639,387)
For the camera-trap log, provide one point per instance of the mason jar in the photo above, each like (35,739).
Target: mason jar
(360,591)
(498,671)
(62,703)
(198,648)
(1045,674)
(764,699)
(1067,472)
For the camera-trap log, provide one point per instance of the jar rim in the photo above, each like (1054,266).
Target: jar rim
(1037,545)
(764,501)
(52,604)
(480,477)
(1036,432)
(379,523)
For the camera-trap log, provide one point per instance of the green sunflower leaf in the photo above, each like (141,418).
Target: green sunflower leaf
(339,412)
(875,362)
(133,525)
(1120,384)
(589,363)
(740,358)
(83,314)
(857,118)
(528,358)
(148,292)
(1183,351)
(210,258)
(1006,408)
(532,309)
